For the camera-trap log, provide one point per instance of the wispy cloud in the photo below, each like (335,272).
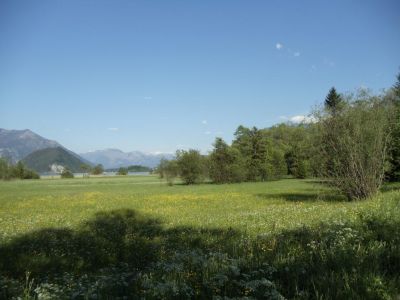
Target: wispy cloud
(147,98)
(204,122)
(302,119)
(288,52)
(207,132)
(113,128)
(298,119)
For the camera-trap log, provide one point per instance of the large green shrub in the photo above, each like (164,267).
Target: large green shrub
(353,145)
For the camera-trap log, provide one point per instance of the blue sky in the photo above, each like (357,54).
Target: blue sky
(160,75)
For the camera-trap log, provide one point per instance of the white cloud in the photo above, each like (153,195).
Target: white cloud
(296,54)
(278,46)
(148,98)
(302,119)
(112,128)
(207,132)
(204,122)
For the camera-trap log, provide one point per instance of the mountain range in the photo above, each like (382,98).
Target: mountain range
(115,158)
(25,145)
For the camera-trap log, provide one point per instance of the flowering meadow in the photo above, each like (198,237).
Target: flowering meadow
(137,238)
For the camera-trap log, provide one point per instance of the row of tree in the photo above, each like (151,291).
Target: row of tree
(353,141)
(19,170)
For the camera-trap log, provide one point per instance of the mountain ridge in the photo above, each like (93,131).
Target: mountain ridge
(52,159)
(115,158)
(17,144)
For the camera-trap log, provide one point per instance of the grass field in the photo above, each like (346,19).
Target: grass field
(136,237)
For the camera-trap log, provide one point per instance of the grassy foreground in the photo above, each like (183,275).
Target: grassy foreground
(136,237)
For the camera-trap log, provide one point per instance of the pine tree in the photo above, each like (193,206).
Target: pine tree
(396,87)
(333,101)
(394,172)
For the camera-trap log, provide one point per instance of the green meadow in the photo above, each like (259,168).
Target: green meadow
(136,237)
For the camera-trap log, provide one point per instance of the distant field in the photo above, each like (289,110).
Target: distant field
(273,222)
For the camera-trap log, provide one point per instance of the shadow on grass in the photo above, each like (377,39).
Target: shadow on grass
(389,187)
(120,236)
(303,197)
(336,261)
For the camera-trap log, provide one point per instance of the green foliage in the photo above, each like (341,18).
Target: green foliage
(5,172)
(9,171)
(132,168)
(252,145)
(393,173)
(86,169)
(122,171)
(168,170)
(138,168)
(192,166)
(276,166)
(97,170)
(66,173)
(226,163)
(353,146)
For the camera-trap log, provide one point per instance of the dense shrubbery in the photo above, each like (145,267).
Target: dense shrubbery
(255,155)
(19,170)
(352,141)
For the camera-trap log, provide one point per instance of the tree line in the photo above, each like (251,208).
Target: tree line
(352,141)
(15,171)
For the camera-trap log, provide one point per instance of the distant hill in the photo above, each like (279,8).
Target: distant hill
(134,168)
(50,158)
(115,158)
(16,144)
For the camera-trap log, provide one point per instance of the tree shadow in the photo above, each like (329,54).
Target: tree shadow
(389,187)
(304,197)
(306,259)
(110,238)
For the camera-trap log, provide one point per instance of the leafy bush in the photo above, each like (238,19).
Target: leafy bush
(122,171)
(353,145)
(9,171)
(192,166)
(66,173)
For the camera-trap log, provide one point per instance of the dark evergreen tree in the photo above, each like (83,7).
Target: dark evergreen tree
(333,101)
(394,172)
